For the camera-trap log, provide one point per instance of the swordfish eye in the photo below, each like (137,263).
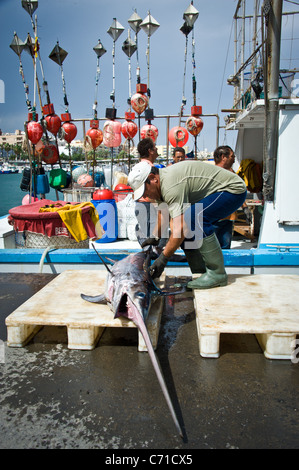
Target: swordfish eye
(140,295)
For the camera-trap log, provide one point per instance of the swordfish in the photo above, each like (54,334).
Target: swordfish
(130,291)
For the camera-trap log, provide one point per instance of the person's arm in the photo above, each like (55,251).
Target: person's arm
(156,235)
(176,238)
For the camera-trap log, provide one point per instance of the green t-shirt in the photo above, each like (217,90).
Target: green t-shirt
(186,183)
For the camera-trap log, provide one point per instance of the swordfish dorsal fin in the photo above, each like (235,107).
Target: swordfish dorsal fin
(97,299)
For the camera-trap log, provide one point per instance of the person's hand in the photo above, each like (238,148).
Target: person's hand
(150,241)
(157,268)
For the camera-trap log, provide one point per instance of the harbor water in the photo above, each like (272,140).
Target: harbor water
(11,195)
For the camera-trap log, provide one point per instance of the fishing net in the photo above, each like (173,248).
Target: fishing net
(28,239)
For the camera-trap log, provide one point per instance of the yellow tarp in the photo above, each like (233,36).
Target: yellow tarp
(71,215)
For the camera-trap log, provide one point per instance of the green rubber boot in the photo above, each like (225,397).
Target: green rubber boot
(215,274)
(195,261)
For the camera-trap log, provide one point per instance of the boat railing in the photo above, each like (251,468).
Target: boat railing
(167,119)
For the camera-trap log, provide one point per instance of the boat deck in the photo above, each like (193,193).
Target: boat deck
(109,398)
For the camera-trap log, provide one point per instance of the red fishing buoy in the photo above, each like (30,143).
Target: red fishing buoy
(129,129)
(49,154)
(96,137)
(178,136)
(53,123)
(70,131)
(34,131)
(103,194)
(139,102)
(194,125)
(149,130)
(112,133)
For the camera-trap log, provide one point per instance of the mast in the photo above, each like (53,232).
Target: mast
(273,13)
(254,35)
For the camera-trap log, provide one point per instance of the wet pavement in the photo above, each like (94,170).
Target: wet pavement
(109,398)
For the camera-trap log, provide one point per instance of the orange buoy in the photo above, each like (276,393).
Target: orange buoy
(69,131)
(178,136)
(96,137)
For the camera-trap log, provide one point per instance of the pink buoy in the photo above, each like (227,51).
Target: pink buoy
(39,146)
(26,199)
(149,131)
(178,136)
(112,133)
(85,181)
(34,131)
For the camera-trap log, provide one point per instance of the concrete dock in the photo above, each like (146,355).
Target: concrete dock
(109,398)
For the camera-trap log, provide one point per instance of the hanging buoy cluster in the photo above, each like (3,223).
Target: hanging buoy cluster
(43,147)
(43,135)
(139,101)
(178,136)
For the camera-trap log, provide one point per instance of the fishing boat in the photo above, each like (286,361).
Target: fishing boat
(243,400)
(6,169)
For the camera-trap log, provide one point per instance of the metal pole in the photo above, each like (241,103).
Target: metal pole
(236,87)
(272,115)
(254,45)
(243,50)
(167,139)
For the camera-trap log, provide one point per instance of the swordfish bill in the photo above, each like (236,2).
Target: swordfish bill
(129,293)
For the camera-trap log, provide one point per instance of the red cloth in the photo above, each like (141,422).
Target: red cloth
(27,217)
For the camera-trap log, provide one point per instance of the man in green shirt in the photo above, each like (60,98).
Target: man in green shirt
(196,194)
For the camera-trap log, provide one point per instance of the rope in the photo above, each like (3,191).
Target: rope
(26,87)
(130,79)
(95,105)
(194,67)
(148,65)
(46,251)
(137,59)
(112,96)
(224,70)
(184,101)
(64,90)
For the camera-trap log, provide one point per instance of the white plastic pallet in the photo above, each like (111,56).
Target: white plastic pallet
(59,303)
(266,305)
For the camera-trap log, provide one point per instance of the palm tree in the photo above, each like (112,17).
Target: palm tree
(2,149)
(7,148)
(17,150)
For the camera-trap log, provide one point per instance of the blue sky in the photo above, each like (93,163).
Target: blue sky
(78,24)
